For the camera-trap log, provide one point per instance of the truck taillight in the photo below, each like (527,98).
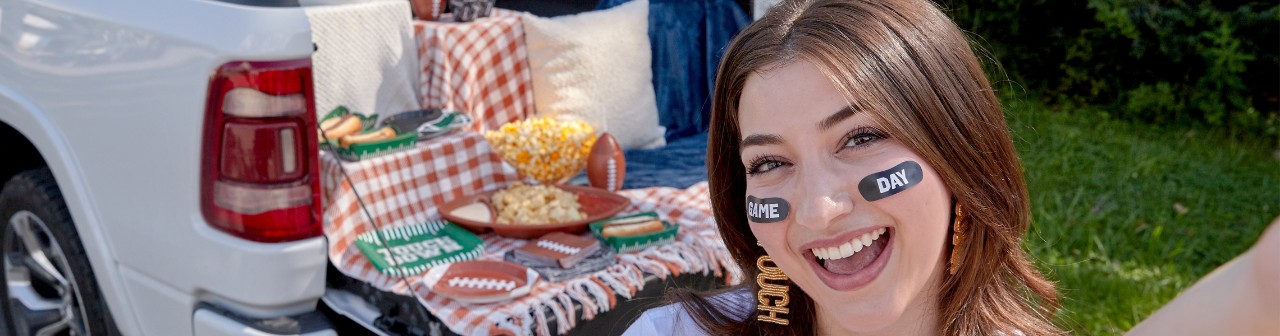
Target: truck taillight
(260,163)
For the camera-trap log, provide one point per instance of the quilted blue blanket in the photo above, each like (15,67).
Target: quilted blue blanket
(680,164)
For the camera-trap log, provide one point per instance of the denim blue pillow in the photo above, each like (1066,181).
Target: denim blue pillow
(687,38)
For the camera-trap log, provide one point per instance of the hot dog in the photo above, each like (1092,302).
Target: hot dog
(336,128)
(631,227)
(381,134)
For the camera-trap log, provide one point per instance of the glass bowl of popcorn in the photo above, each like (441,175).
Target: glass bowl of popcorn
(549,150)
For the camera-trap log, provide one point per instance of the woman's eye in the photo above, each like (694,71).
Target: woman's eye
(763,165)
(862,137)
(767,166)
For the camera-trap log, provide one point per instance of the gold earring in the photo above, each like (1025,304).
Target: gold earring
(773,298)
(957,237)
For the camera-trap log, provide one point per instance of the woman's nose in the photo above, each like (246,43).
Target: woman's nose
(822,199)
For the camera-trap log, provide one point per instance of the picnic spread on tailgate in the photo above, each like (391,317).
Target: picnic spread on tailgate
(505,228)
(490,212)
(563,225)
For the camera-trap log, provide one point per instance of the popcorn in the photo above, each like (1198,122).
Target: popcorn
(546,149)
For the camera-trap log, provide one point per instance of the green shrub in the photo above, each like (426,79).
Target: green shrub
(1215,64)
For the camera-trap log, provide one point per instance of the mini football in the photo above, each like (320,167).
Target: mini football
(606,166)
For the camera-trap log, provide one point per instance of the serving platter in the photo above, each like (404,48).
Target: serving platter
(598,204)
(480,281)
(428,123)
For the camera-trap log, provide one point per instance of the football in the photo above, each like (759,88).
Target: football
(606,166)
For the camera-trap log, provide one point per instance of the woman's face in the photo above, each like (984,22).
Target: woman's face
(802,144)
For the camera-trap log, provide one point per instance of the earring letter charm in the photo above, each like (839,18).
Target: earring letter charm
(957,237)
(773,298)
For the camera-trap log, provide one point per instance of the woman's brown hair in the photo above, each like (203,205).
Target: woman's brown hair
(908,64)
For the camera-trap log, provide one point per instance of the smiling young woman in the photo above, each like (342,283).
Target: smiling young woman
(861,171)
(873,123)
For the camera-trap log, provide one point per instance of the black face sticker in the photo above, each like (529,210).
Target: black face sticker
(767,210)
(889,182)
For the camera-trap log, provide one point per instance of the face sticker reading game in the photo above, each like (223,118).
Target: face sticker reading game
(892,181)
(767,210)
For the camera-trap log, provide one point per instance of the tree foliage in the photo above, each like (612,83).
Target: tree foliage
(1201,63)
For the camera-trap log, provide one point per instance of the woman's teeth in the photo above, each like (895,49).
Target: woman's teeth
(850,248)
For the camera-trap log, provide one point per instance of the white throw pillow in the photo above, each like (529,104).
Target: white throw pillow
(596,66)
(366,57)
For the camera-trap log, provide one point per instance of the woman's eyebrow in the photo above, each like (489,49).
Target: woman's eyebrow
(761,140)
(836,118)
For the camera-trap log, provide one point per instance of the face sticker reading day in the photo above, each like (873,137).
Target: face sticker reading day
(874,187)
(886,183)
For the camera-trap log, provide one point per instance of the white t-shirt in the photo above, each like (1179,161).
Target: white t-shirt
(674,320)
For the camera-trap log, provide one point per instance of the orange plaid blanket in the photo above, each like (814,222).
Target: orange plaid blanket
(406,188)
(479,67)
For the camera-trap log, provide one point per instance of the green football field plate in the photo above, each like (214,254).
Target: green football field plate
(419,247)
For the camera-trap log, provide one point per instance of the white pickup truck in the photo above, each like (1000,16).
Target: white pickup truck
(161,169)
(161,176)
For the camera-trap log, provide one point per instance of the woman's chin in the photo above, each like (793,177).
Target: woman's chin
(861,318)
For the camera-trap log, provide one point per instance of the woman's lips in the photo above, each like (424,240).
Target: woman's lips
(855,271)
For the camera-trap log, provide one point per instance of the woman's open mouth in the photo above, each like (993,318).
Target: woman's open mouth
(852,263)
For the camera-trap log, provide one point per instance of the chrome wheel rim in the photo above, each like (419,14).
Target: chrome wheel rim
(43,297)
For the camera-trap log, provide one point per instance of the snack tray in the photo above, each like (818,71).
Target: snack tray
(637,242)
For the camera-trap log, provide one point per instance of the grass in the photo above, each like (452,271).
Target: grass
(1126,215)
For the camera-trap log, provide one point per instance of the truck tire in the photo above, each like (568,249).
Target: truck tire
(47,286)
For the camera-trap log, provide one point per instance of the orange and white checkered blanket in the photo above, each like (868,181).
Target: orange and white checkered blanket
(406,188)
(480,68)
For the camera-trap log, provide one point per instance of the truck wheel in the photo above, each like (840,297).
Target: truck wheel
(48,286)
